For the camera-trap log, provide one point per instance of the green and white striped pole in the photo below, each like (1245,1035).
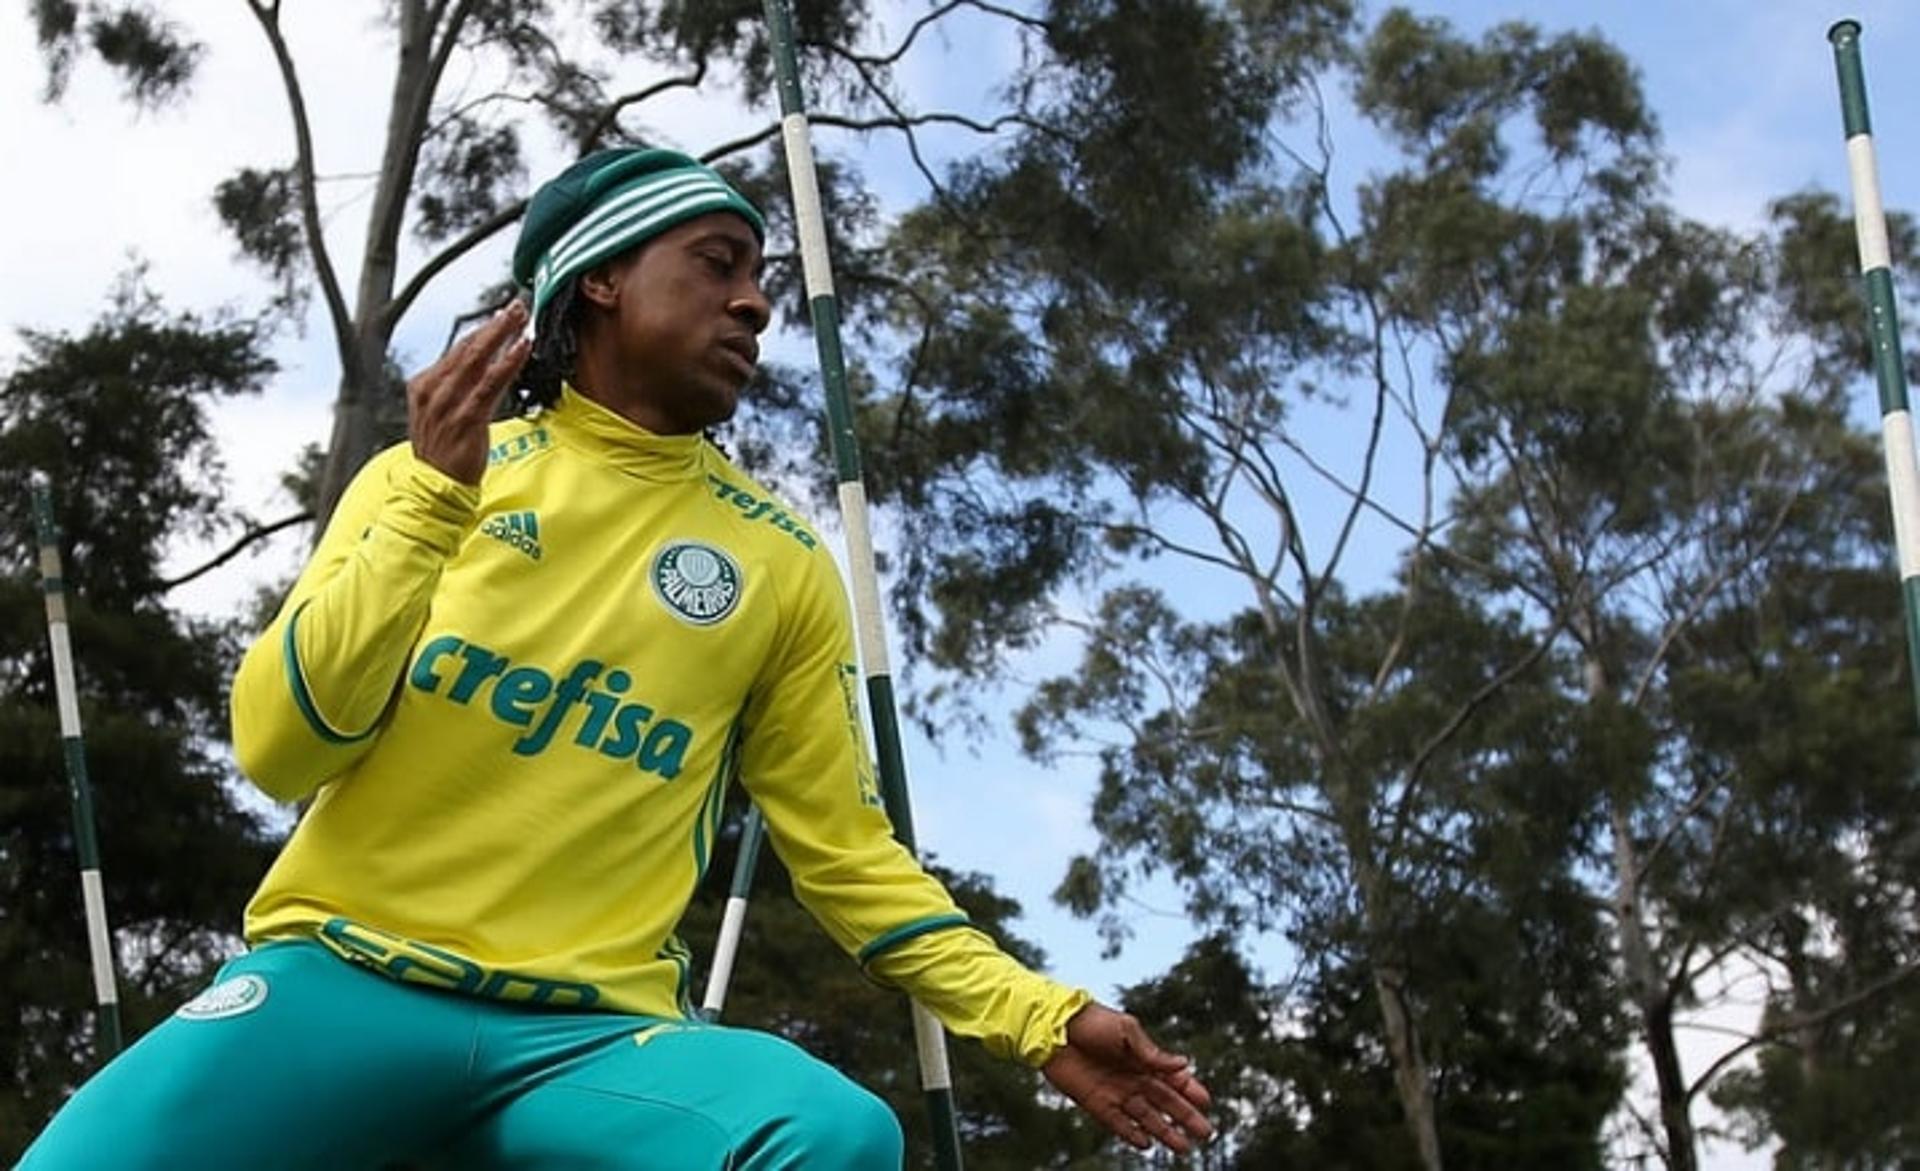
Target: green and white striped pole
(936,1078)
(1883,324)
(734,920)
(92,892)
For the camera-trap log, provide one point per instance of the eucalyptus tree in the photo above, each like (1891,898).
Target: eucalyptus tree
(1127,364)
(1791,692)
(450,169)
(117,415)
(1794,693)
(1648,433)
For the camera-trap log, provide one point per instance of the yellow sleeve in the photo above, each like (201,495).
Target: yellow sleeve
(979,991)
(312,689)
(805,761)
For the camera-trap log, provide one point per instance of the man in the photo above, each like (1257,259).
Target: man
(516,678)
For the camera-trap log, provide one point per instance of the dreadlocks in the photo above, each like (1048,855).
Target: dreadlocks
(556,344)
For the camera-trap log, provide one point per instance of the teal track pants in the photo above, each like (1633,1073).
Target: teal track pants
(295,1059)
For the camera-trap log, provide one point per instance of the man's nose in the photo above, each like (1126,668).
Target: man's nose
(751,306)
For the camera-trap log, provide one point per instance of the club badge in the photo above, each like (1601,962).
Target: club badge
(241,994)
(698,582)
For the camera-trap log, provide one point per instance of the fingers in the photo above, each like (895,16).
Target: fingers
(1190,1088)
(507,342)
(450,404)
(485,361)
(1150,1124)
(1143,1111)
(1143,1094)
(1142,1048)
(1171,1104)
(469,355)
(1144,1118)
(1129,1120)
(467,365)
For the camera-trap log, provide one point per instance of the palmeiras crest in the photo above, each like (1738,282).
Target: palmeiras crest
(698,582)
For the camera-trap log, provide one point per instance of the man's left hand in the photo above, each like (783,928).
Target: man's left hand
(1139,1091)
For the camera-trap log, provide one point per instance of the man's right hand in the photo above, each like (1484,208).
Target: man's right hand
(450,403)
(1139,1091)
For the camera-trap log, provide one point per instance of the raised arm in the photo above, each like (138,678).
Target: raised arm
(313,688)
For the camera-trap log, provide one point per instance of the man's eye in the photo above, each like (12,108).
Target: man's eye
(718,263)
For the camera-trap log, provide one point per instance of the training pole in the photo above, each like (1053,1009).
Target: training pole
(93,894)
(936,1079)
(1883,324)
(734,921)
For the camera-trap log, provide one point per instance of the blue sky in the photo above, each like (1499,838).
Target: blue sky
(1744,92)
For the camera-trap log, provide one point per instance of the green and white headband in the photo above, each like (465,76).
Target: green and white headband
(610,201)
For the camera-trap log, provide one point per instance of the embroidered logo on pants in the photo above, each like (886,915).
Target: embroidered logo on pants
(241,994)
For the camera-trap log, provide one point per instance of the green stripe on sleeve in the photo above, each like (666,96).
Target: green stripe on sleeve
(302,698)
(707,827)
(914,930)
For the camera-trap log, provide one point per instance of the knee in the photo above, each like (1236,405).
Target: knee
(849,1129)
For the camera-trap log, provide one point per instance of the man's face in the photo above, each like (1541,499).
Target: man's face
(678,339)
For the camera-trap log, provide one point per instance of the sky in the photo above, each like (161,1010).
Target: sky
(1744,91)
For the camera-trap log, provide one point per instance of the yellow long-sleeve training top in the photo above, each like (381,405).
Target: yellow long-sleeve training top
(518,707)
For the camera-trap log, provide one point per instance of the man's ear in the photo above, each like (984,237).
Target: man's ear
(600,285)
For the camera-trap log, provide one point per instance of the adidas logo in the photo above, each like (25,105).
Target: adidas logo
(518,529)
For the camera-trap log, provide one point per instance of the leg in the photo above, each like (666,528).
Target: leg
(682,1096)
(294,1059)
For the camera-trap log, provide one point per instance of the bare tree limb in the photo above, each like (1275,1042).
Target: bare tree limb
(611,114)
(1706,591)
(1680,819)
(1416,769)
(510,214)
(475,236)
(749,141)
(895,109)
(268,16)
(251,536)
(919,26)
(1364,489)
(406,131)
(1798,1021)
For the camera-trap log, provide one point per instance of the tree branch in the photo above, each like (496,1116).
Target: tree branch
(894,108)
(1416,768)
(268,16)
(1367,464)
(611,114)
(749,141)
(474,237)
(406,130)
(251,536)
(940,13)
(1706,591)
(1679,822)
(1796,1022)
(509,215)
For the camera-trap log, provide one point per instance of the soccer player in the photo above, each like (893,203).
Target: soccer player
(516,679)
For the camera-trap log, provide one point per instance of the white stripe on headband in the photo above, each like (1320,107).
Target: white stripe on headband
(626,205)
(618,235)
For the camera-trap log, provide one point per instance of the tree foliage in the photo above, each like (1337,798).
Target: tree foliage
(1476,577)
(155,57)
(1593,431)
(117,416)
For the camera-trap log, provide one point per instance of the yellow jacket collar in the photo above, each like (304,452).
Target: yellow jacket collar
(613,439)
